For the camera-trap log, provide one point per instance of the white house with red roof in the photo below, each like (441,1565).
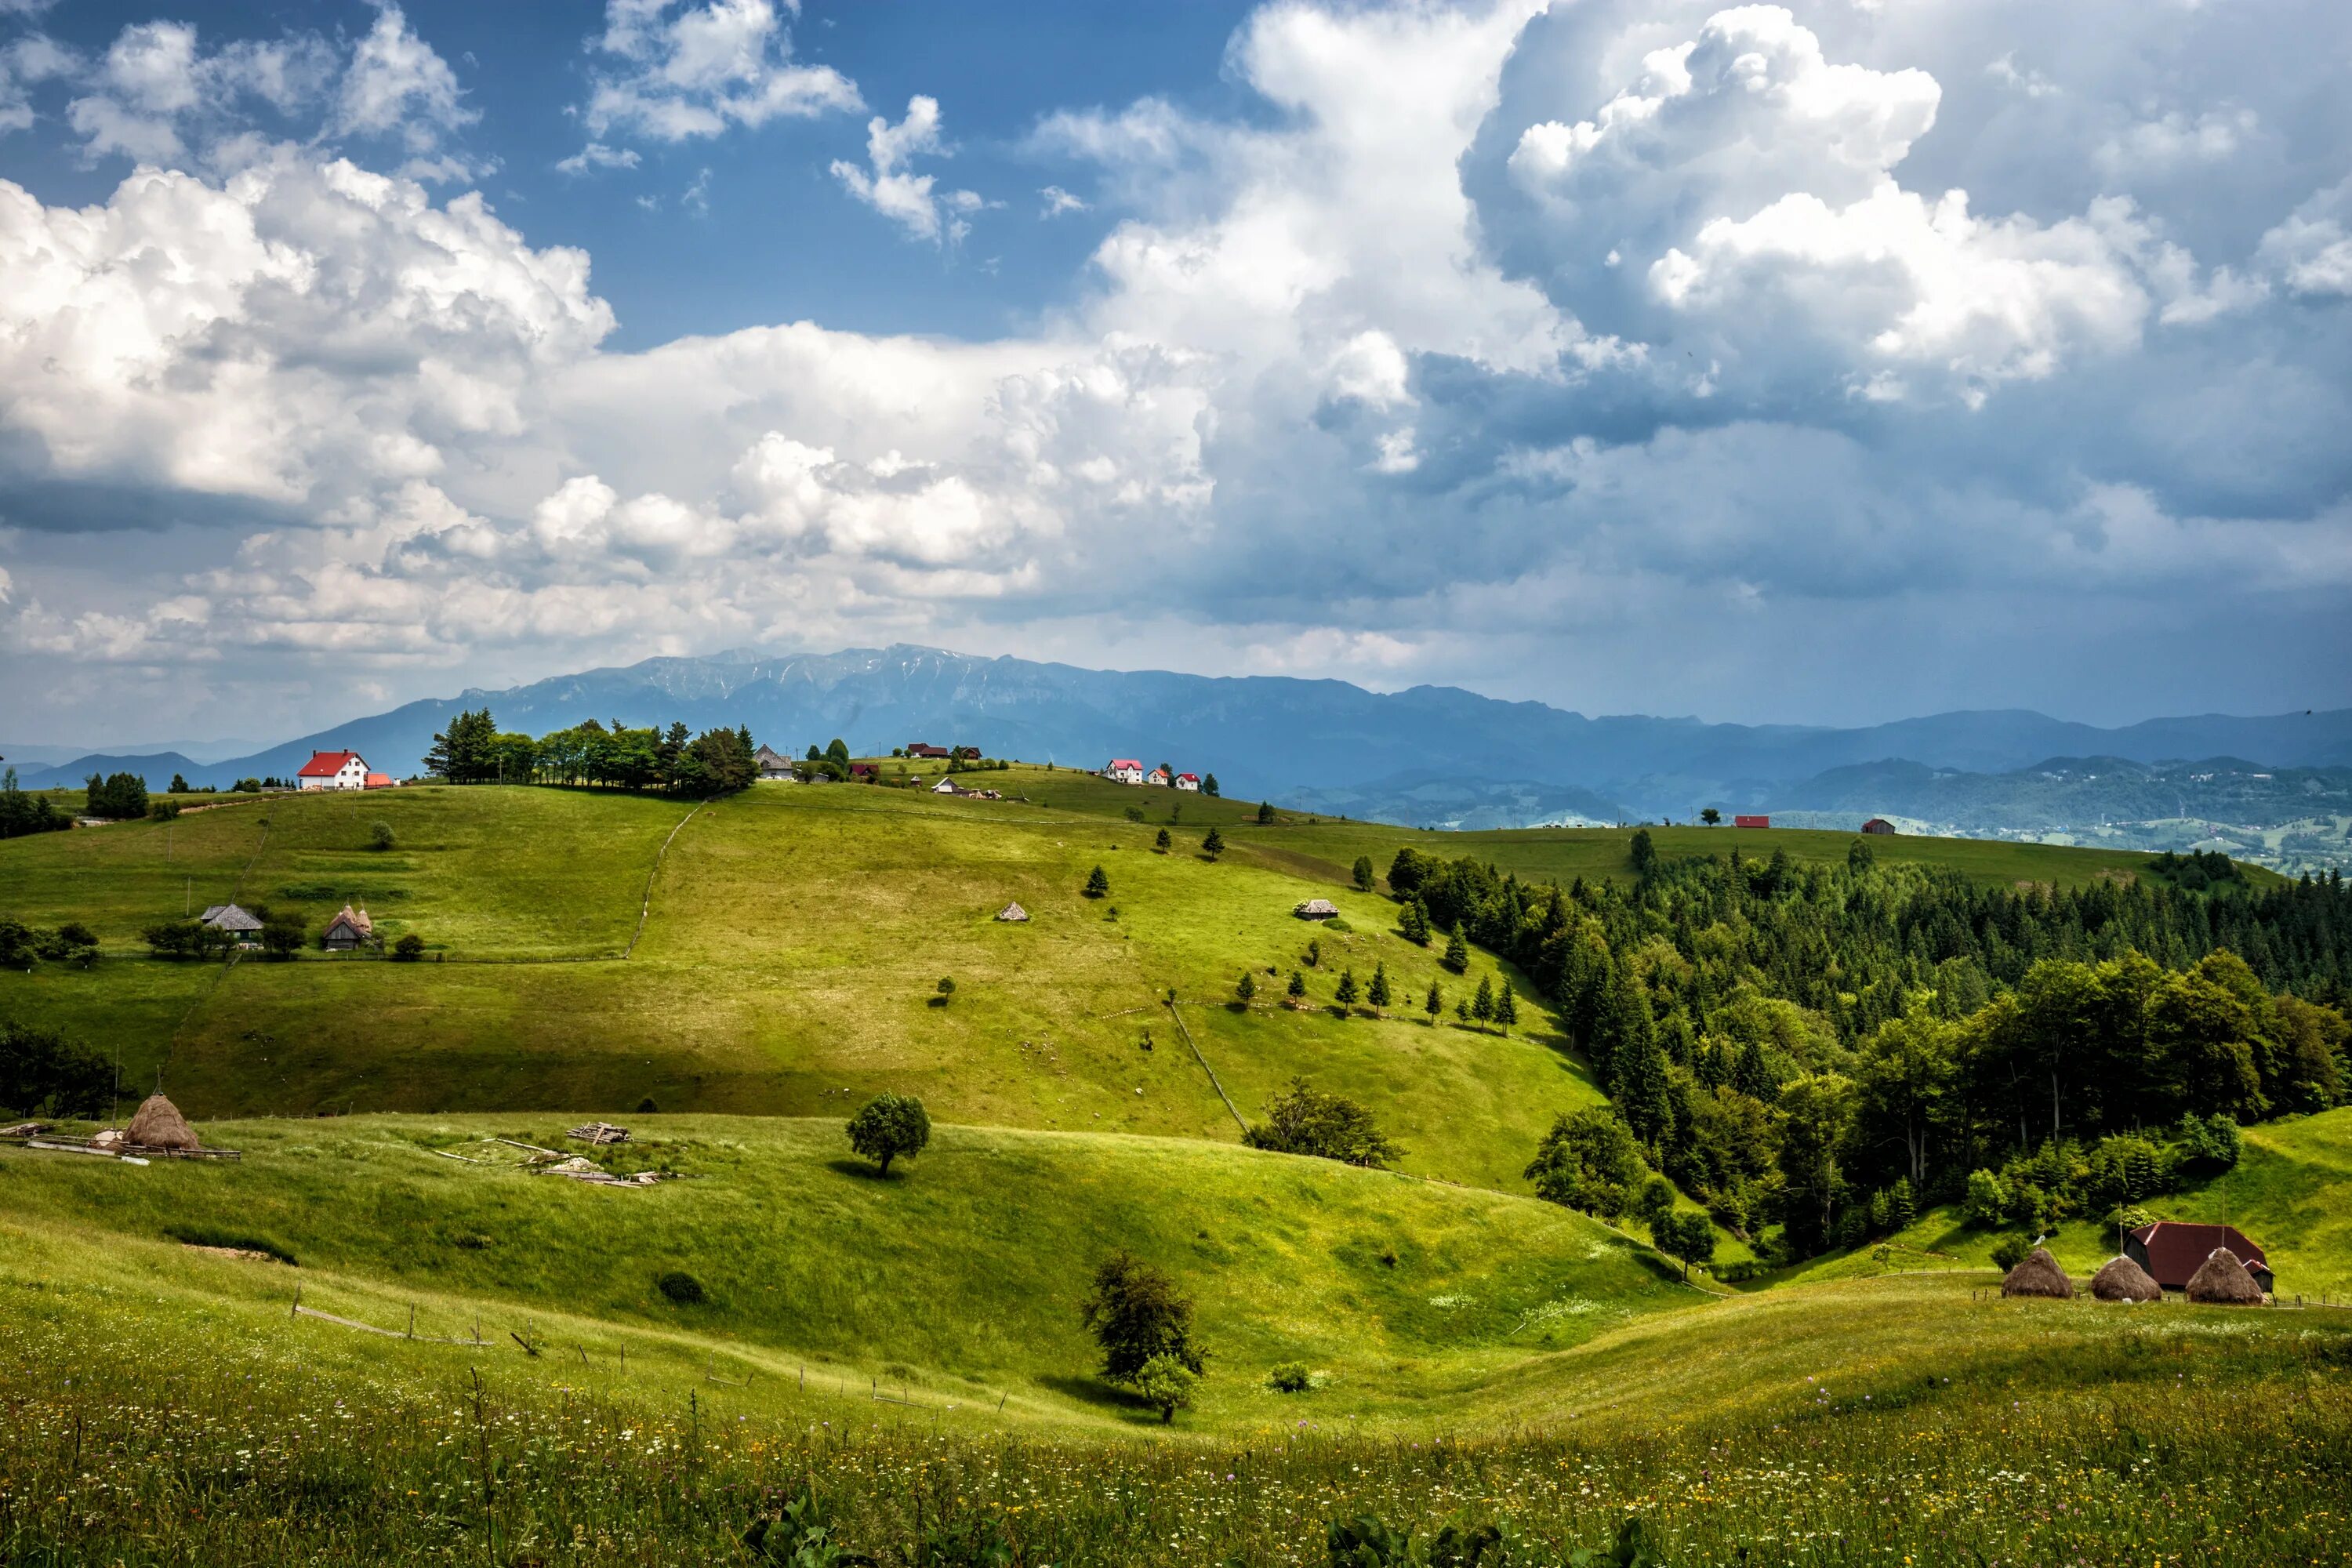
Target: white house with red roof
(1189,781)
(1124,770)
(333,770)
(1158,776)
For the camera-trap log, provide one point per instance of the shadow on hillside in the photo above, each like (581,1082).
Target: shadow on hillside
(1102,1395)
(860,1168)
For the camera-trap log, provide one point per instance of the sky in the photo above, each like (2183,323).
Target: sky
(1828,362)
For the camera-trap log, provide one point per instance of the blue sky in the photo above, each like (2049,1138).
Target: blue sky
(1824,363)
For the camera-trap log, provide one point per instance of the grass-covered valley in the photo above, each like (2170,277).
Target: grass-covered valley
(1490,1329)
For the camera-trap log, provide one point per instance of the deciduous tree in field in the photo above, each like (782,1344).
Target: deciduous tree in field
(889,1127)
(1710,817)
(1304,1121)
(1588,1161)
(1687,1237)
(1363,873)
(1136,1313)
(1167,1384)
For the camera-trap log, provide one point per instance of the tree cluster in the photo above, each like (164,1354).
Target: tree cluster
(22,813)
(23,946)
(473,749)
(43,1074)
(1306,1120)
(1792,1044)
(120,797)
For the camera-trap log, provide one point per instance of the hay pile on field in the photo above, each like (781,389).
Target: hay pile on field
(2038,1275)
(2222,1281)
(2123,1281)
(160,1125)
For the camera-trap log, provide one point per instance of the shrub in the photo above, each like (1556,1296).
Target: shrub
(1588,1161)
(40,1070)
(1987,1199)
(2209,1143)
(646,1106)
(1290,1377)
(889,1127)
(2010,1251)
(408,949)
(380,834)
(682,1288)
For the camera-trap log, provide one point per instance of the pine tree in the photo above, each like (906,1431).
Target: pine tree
(1247,987)
(1162,842)
(1214,844)
(1457,952)
(1209,785)
(1434,1006)
(1413,924)
(1507,1008)
(1482,1003)
(1098,883)
(1266,811)
(1903,1205)
(1297,991)
(1751,1077)
(1347,997)
(1379,996)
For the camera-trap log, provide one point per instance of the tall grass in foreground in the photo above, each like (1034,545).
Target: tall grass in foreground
(2221,1449)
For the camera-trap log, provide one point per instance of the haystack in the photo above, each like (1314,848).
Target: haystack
(1012,912)
(2222,1281)
(2038,1275)
(160,1125)
(2123,1281)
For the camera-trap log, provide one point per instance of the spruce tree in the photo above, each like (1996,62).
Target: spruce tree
(1751,1077)
(1347,995)
(1378,995)
(1482,1003)
(1902,1205)
(1214,844)
(1297,991)
(1413,924)
(1434,1006)
(1098,883)
(1247,987)
(1507,1008)
(1162,842)
(1266,811)
(1457,952)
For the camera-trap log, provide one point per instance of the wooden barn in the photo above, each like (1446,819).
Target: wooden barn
(2172,1250)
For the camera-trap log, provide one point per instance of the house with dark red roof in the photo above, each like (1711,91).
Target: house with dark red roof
(1123,770)
(924,749)
(333,770)
(1752,822)
(1878,824)
(2172,1250)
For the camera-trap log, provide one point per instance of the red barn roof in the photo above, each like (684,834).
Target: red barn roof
(1752,822)
(2174,1250)
(1116,763)
(325,764)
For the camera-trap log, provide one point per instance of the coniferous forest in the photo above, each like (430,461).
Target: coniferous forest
(1829,1049)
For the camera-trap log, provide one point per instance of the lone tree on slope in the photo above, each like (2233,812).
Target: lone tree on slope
(1434,1006)
(1363,872)
(1214,844)
(1098,883)
(1136,1313)
(889,1127)
(1162,842)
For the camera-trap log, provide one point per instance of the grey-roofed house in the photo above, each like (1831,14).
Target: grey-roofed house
(238,922)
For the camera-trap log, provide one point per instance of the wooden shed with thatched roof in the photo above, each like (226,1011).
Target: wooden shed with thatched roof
(2121,1279)
(2038,1275)
(2222,1281)
(349,929)
(1317,910)
(158,1125)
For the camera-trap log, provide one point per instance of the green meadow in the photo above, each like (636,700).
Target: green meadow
(732,979)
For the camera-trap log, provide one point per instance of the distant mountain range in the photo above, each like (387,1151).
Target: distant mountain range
(1431,755)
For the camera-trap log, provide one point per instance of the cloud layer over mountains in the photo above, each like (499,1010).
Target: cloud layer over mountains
(1916,353)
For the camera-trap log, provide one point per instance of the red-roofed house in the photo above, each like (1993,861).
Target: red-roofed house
(1752,822)
(1878,824)
(1158,776)
(2171,1251)
(1189,781)
(381,781)
(921,749)
(333,770)
(1124,770)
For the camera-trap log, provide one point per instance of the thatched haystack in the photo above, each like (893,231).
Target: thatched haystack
(2123,1281)
(160,1125)
(2222,1281)
(1013,913)
(2038,1275)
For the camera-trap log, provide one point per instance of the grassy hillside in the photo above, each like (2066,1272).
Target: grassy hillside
(2291,1193)
(964,1268)
(789,966)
